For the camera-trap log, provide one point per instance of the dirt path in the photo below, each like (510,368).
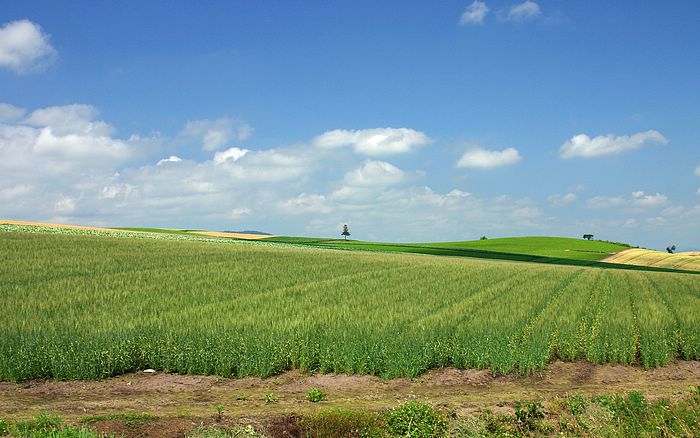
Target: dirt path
(188,400)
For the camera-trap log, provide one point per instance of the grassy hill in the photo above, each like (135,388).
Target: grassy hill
(551,250)
(85,305)
(557,247)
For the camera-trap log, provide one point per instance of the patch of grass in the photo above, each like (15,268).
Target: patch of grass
(4,428)
(315,395)
(129,419)
(214,432)
(49,426)
(416,420)
(338,422)
(609,415)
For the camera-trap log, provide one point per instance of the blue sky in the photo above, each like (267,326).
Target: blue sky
(410,121)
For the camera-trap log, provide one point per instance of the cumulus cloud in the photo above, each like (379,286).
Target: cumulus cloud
(214,134)
(375,173)
(64,140)
(474,13)
(586,147)
(10,113)
(304,203)
(24,47)
(374,142)
(562,200)
(232,154)
(638,200)
(170,159)
(524,11)
(487,159)
(240,212)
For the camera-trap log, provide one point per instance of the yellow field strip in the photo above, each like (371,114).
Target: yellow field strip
(232,235)
(81,227)
(658,259)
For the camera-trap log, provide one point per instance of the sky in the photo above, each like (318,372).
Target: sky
(407,120)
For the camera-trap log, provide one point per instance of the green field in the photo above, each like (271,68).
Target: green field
(87,306)
(552,250)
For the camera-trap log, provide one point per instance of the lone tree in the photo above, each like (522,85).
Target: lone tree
(588,236)
(345,232)
(670,249)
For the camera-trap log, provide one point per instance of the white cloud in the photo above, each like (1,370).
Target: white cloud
(524,11)
(232,154)
(64,140)
(213,134)
(170,159)
(24,48)
(374,142)
(10,113)
(474,13)
(304,203)
(562,200)
(637,200)
(486,159)
(586,147)
(697,171)
(640,199)
(605,201)
(375,173)
(238,213)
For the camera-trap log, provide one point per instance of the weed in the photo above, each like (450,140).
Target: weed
(271,398)
(576,404)
(315,395)
(219,411)
(527,415)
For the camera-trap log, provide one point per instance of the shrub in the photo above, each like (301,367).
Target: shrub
(416,420)
(315,395)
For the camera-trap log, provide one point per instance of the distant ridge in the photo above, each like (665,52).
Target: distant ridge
(249,232)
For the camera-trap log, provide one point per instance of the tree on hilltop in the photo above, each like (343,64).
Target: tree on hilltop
(345,232)
(588,236)
(670,249)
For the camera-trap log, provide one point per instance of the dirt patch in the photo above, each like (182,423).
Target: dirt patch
(232,235)
(284,427)
(157,428)
(453,376)
(133,383)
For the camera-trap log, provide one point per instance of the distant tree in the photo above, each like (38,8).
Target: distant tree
(670,249)
(588,236)
(345,232)
(483,238)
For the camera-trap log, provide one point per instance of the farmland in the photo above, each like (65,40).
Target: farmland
(646,257)
(82,306)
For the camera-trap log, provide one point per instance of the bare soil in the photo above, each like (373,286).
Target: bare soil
(182,403)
